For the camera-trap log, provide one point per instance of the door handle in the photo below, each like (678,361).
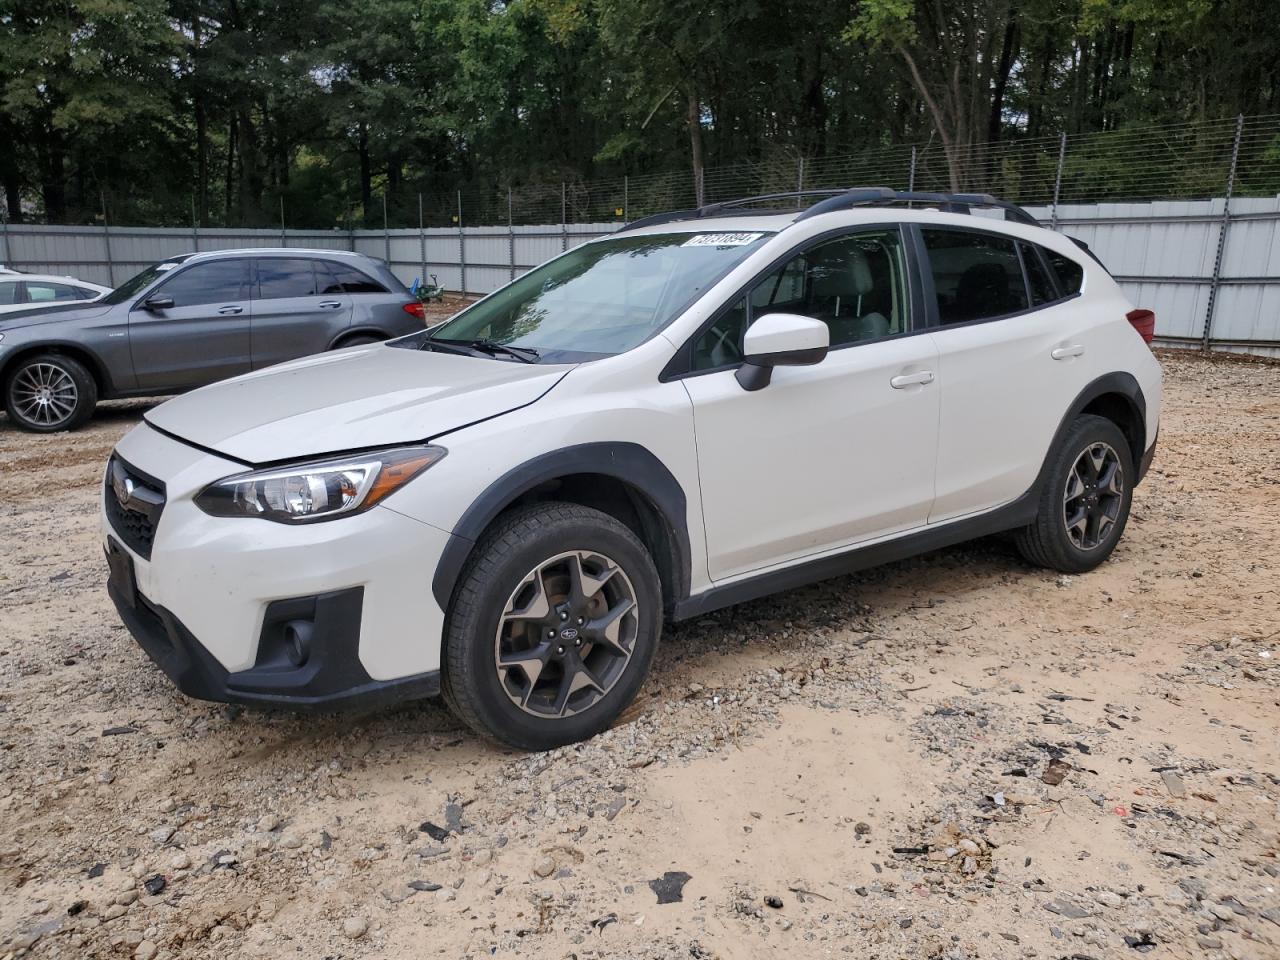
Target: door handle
(902,381)
(227,310)
(1067,352)
(331,304)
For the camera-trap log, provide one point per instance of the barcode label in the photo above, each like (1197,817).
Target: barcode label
(722,239)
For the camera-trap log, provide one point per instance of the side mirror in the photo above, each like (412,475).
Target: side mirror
(158,303)
(781,340)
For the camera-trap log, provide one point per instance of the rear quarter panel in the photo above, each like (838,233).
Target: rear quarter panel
(384,312)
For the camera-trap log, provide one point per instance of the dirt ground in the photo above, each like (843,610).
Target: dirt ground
(958,756)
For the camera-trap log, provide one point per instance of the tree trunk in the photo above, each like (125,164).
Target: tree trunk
(13,200)
(231,172)
(202,130)
(1035,115)
(53,188)
(694,119)
(940,124)
(251,180)
(1008,51)
(202,162)
(366,174)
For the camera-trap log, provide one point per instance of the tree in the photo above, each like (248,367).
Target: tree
(952,53)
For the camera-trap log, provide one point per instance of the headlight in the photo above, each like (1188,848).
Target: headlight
(321,490)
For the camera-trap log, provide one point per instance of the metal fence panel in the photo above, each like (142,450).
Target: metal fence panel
(1163,253)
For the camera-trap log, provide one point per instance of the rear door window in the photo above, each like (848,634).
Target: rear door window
(976,276)
(9,293)
(279,278)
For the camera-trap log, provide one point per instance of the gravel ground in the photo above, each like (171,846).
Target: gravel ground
(953,757)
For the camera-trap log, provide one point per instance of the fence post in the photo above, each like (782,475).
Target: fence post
(4,237)
(106,237)
(386,229)
(564,216)
(626,198)
(422,241)
(511,235)
(195,227)
(911,174)
(1057,180)
(284,236)
(462,250)
(1222,236)
(799,180)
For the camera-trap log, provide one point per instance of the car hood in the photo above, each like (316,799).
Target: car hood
(348,400)
(54,313)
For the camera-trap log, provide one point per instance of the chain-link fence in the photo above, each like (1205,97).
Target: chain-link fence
(1191,160)
(1156,203)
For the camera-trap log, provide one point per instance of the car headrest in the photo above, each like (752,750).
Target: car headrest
(840,270)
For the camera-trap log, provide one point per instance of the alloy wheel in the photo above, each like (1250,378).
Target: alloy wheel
(567,634)
(44,393)
(1094,496)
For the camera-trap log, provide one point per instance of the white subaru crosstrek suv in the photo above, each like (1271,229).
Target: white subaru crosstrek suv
(702,408)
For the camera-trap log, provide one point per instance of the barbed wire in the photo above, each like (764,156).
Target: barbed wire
(1170,161)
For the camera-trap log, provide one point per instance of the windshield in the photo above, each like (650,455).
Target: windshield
(601,298)
(138,282)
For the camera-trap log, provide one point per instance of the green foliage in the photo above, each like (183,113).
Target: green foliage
(158,111)
(883,23)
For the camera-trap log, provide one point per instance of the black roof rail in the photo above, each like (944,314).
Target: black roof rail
(715,209)
(842,199)
(948,202)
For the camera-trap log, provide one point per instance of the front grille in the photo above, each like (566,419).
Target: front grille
(134,502)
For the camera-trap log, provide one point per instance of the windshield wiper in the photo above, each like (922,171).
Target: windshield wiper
(485,345)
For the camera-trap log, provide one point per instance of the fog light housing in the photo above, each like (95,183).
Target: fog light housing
(297,641)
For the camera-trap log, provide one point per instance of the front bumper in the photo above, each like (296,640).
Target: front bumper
(207,598)
(331,676)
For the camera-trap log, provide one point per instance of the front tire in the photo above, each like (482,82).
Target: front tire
(49,392)
(1085,503)
(553,627)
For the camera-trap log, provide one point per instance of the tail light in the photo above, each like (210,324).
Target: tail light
(1144,321)
(416,309)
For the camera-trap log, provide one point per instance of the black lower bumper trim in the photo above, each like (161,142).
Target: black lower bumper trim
(332,676)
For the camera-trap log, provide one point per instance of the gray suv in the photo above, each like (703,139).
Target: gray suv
(191,320)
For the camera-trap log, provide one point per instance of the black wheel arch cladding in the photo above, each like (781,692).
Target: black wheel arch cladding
(641,471)
(1117,384)
(629,464)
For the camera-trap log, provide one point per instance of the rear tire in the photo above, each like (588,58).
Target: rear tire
(553,627)
(49,392)
(1085,503)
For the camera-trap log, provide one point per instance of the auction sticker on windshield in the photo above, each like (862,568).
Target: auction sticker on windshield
(722,239)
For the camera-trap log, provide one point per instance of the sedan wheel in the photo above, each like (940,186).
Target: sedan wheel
(44,393)
(49,392)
